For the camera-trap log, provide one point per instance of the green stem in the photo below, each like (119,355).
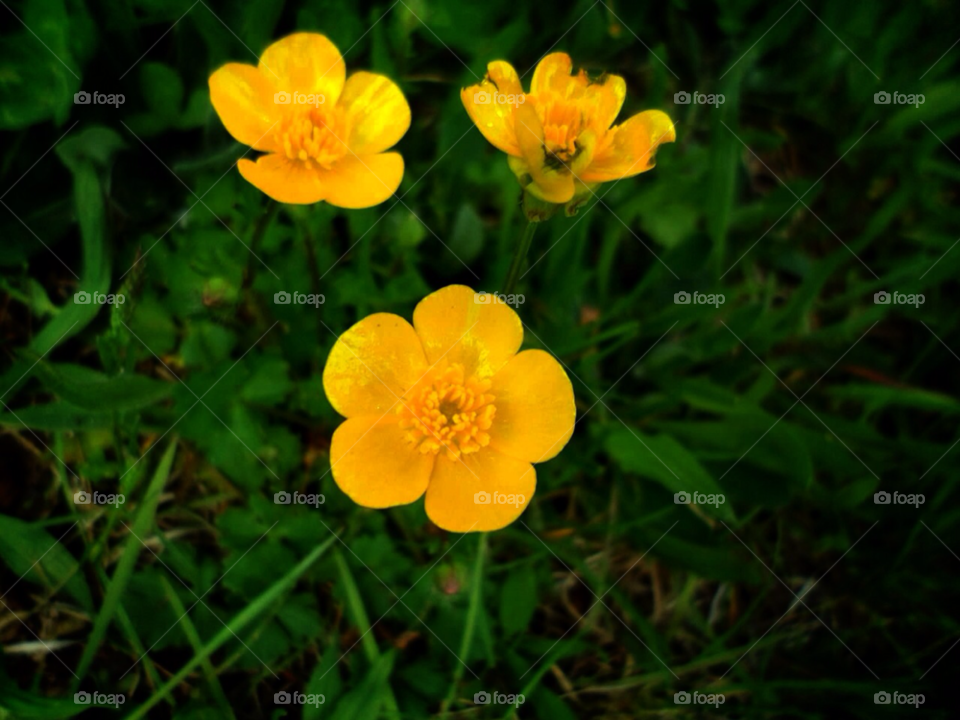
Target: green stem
(476,598)
(519,257)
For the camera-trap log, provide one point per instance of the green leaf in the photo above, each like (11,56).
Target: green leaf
(92,390)
(518,600)
(365,700)
(662,458)
(38,557)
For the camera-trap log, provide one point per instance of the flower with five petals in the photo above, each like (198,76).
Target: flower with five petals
(446,408)
(324,135)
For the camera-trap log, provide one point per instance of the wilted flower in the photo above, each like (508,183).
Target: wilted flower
(559,137)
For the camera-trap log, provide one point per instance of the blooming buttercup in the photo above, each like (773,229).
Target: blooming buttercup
(325,135)
(559,137)
(446,408)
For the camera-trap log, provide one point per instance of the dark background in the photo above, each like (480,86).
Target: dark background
(797,199)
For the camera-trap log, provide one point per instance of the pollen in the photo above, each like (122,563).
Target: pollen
(314,136)
(448,410)
(563,121)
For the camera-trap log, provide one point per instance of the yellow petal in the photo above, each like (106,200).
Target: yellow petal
(372,364)
(243,98)
(285,180)
(375,465)
(552,181)
(489,106)
(377,113)
(607,96)
(552,73)
(452,500)
(535,407)
(360,181)
(480,336)
(305,62)
(630,148)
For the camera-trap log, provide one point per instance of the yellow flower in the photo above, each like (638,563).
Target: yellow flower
(558,136)
(447,408)
(324,135)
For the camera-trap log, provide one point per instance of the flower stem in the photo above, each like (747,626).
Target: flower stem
(519,257)
(476,598)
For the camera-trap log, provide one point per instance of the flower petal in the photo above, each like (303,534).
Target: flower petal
(482,336)
(372,364)
(607,96)
(285,180)
(551,181)
(452,495)
(376,111)
(361,181)
(630,148)
(552,73)
(374,464)
(487,105)
(243,98)
(535,407)
(305,62)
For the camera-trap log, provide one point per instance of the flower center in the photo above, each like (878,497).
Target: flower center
(315,134)
(563,121)
(448,410)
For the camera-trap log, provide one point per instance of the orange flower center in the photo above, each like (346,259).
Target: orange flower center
(563,120)
(448,410)
(315,134)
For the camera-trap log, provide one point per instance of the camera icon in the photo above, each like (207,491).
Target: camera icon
(482,298)
(281,498)
(281,698)
(881,498)
(481,698)
(81,298)
(81,698)
(281,298)
(682,98)
(881,298)
(482,498)
(281,98)
(681,498)
(481,97)
(681,298)
(81,497)
(81,98)
(881,698)
(881,98)
(681,698)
